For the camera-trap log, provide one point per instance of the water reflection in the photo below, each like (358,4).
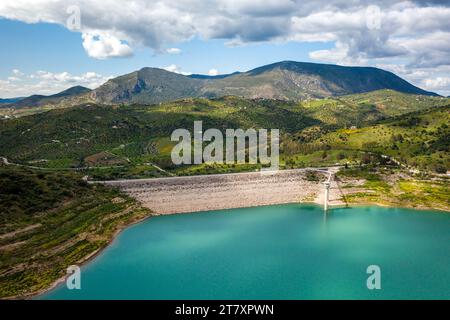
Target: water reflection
(325,224)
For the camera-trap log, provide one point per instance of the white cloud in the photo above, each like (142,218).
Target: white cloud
(432,79)
(339,55)
(176,69)
(173,51)
(102,46)
(172,68)
(213,72)
(17,73)
(46,83)
(439,83)
(110,29)
(415,32)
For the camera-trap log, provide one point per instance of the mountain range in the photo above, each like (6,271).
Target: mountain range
(40,100)
(286,80)
(9,100)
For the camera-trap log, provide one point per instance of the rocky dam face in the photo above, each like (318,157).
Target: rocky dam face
(226,191)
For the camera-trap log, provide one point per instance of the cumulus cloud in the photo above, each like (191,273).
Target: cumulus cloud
(213,72)
(46,83)
(17,73)
(173,51)
(367,29)
(176,69)
(102,46)
(439,84)
(415,32)
(172,68)
(432,79)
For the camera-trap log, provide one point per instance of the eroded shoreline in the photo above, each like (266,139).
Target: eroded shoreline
(189,194)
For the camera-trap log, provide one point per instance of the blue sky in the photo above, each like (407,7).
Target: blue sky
(42,53)
(50,47)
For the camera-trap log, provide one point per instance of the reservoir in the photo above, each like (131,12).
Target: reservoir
(274,252)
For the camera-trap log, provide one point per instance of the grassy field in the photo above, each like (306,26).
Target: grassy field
(52,220)
(124,141)
(420,139)
(358,109)
(395,187)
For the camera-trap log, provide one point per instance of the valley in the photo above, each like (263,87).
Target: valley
(108,142)
(387,141)
(54,219)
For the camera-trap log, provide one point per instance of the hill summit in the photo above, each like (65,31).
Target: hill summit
(286,80)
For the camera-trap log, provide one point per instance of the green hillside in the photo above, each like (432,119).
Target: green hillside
(52,220)
(122,141)
(67,136)
(38,103)
(354,110)
(50,217)
(420,139)
(73,94)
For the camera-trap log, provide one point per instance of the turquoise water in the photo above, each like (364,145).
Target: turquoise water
(274,252)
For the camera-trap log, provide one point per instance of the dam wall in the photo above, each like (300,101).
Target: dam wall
(223,191)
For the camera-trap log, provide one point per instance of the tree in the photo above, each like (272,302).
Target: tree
(366,158)
(440,168)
